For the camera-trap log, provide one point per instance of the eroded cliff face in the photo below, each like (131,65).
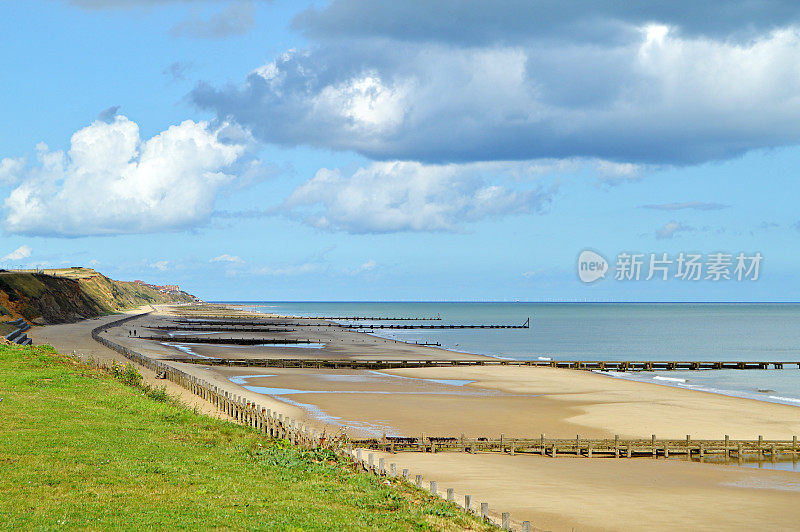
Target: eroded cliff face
(72,294)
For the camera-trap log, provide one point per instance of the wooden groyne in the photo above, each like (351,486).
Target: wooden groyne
(334,318)
(361,318)
(225,341)
(223,328)
(273,322)
(589,448)
(612,365)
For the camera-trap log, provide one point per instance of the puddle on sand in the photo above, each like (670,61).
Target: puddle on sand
(751,461)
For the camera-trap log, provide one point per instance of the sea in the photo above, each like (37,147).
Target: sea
(607,331)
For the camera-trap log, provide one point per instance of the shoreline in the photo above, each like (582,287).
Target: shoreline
(631,375)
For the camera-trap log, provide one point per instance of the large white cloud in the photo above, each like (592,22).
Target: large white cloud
(655,96)
(111,181)
(407,196)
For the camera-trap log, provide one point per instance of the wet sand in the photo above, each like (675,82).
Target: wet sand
(516,400)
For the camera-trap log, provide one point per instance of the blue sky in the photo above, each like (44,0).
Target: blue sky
(269,150)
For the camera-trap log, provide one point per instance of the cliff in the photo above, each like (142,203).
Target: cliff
(71,294)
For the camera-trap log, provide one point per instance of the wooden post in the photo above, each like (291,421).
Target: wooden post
(468,503)
(381,465)
(578,445)
(511,447)
(526,526)
(463,445)
(484,511)
(405,473)
(422,443)
(727,452)
(393,469)
(506,521)
(794,443)
(589,450)
(629,452)
(688,447)
(451,494)
(542,444)
(654,445)
(760,440)
(502,444)
(434,491)
(554,451)
(418,480)
(616,445)
(371,460)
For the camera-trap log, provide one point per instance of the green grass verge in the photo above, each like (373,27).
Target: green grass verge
(80,449)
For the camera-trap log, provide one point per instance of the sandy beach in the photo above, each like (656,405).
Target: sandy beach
(517,401)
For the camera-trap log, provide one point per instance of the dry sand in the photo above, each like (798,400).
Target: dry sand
(614,494)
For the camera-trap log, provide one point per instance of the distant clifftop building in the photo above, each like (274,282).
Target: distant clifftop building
(167,288)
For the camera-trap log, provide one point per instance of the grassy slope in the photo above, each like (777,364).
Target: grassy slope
(79,449)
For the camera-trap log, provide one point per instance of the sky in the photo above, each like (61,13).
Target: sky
(416,150)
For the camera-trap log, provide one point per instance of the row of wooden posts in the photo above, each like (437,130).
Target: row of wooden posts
(275,424)
(599,365)
(590,448)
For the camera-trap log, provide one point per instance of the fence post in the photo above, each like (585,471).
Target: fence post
(451,494)
(468,503)
(434,491)
(485,511)
(506,521)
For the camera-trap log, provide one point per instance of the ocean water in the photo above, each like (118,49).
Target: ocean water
(611,331)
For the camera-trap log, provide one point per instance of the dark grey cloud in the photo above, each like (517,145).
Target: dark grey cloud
(659,98)
(478,22)
(107,115)
(236,19)
(695,205)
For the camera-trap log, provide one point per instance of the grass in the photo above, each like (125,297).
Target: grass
(82,449)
